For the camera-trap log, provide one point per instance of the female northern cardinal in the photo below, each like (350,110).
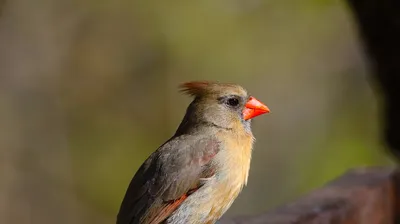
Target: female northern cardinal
(196,175)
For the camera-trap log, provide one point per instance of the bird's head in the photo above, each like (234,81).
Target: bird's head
(220,105)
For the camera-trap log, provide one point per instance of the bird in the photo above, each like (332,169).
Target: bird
(194,177)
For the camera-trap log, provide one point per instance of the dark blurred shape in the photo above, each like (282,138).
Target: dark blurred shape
(379,24)
(363,195)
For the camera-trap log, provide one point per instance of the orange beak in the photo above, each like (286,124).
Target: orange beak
(253,108)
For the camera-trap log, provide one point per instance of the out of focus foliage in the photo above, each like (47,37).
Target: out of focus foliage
(88,90)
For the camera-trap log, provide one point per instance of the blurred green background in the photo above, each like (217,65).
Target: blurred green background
(88,89)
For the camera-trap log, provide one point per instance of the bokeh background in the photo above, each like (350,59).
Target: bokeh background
(88,89)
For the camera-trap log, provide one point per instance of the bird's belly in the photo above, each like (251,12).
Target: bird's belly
(211,200)
(207,204)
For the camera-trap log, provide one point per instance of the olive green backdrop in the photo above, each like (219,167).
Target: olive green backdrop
(88,89)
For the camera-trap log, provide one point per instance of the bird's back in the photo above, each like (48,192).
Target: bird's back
(169,176)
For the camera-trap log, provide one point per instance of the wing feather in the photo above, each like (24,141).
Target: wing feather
(167,178)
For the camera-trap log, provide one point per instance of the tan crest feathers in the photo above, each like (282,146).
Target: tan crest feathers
(195,88)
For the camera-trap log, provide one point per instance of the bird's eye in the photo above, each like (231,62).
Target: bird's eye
(233,102)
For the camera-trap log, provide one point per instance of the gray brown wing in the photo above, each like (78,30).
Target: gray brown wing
(167,178)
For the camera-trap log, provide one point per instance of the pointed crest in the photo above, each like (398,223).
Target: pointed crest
(202,88)
(195,88)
